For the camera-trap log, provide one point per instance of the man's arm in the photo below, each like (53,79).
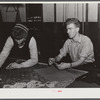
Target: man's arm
(70,65)
(77,63)
(86,51)
(6,50)
(63,52)
(33,54)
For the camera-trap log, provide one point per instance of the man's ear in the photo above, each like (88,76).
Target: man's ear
(77,29)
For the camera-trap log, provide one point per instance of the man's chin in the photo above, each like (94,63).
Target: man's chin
(70,37)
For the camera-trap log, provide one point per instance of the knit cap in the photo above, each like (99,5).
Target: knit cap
(20,31)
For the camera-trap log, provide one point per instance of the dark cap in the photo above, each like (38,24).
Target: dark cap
(20,31)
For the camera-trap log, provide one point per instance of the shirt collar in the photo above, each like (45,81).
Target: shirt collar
(78,39)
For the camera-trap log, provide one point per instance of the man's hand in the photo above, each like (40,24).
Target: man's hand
(13,66)
(54,60)
(51,61)
(62,66)
(57,59)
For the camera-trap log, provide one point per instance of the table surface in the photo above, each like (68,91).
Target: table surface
(12,76)
(28,74)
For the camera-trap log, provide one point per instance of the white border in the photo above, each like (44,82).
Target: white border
(6,2)
(52,93)
(49,93)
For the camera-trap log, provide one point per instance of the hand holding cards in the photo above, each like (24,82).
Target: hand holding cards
(62,65)
(54,60)
(51,61)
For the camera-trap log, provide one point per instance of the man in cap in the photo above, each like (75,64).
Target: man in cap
(20,45)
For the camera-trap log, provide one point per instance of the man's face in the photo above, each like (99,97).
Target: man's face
(20,41)
(72,30)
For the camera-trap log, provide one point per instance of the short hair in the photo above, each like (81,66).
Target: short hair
(19,31)
(75,21)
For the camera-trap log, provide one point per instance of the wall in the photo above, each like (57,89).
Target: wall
(63,11)
(93,12)
(9,15)
(68,10)
(48,12)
